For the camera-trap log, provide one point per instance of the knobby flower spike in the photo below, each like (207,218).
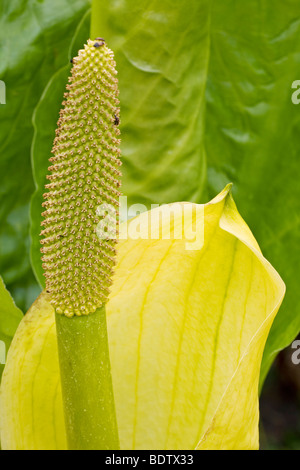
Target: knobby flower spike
(187,329)
(84,175)
(78,266)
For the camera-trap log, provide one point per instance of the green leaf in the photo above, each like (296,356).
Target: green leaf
(162,54)
(10,317)
(35,38)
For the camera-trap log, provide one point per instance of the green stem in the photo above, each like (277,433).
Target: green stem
(86,382)
(95,20)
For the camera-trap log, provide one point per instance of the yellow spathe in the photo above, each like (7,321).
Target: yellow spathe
(187,329)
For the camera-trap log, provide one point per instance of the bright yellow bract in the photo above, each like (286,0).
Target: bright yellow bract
(187,331)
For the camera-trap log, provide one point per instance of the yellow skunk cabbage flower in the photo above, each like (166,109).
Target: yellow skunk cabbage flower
(187,329)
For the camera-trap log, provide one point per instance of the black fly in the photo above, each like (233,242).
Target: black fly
(117,120)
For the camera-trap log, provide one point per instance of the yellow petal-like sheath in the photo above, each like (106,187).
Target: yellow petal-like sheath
(186,330)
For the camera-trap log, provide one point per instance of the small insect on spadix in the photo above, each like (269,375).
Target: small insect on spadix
(100,42)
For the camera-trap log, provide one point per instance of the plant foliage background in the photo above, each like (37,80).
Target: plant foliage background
(206,99)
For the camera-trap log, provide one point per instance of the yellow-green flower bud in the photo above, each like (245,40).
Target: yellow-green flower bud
(84,175)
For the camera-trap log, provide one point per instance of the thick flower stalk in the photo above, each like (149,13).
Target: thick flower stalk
(187,329)
(78,265)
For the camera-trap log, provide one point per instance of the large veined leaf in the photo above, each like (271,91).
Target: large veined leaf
(35,37)
(10,317)
(162,54)
(187,329)
(245,57)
